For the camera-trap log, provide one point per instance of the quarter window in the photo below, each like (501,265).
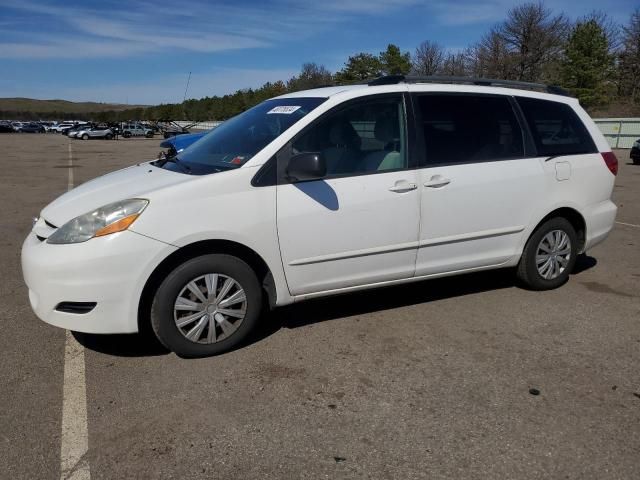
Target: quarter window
(556,128)
(469,128)
(364,137)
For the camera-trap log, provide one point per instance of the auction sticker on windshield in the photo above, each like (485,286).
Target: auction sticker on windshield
(286,109)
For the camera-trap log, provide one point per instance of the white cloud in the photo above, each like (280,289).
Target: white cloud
(198,26)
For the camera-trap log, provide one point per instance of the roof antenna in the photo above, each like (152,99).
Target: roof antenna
(186,88)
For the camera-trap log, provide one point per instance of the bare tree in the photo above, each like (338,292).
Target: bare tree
(454,64)
(428,58)
(534,37)
(491,57)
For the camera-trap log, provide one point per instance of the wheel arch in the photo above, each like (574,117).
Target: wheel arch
(192,250)
(574,217)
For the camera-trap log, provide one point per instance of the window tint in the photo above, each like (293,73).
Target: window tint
(366,136)
(556,128)
(469,128)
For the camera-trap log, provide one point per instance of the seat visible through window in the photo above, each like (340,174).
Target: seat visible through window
(364,137)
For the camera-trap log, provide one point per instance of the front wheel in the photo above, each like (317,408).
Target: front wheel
(549,255)
(108,136)
(206,306)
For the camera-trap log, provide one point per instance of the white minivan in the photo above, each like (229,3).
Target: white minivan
(323,192)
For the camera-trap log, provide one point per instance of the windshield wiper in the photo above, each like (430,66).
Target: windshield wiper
(174,159)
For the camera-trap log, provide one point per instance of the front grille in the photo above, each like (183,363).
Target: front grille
(76,307)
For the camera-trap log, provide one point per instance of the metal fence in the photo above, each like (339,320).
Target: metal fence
(619,132)
(198,125)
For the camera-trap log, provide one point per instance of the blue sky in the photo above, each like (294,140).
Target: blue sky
(142,51)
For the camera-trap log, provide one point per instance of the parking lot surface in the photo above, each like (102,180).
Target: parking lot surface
(431,380)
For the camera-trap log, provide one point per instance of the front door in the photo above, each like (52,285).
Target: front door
(359,225)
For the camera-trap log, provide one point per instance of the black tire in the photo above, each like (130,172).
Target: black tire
(527,269)
(85,137)
(149,135)
(162,319)
(108,136)
(126,134)
(636,161)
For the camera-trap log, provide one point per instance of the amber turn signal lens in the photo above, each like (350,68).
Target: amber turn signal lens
(118,226)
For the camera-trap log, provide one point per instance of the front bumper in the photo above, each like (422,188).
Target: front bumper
(110,271)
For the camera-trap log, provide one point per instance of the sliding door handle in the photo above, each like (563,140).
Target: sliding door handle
(402,186)
(437,181)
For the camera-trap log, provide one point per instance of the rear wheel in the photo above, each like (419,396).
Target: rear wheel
(206,306)
(85,137)
(549,255)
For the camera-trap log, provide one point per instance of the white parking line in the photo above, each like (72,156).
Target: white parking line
(75,439)
(629,224)
(74,442)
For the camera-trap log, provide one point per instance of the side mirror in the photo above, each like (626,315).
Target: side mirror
(306,166)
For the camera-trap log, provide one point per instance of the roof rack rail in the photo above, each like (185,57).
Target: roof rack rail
(394,79)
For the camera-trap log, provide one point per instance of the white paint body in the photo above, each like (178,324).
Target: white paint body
(481,219)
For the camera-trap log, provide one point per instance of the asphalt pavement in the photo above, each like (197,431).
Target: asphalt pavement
(463,377)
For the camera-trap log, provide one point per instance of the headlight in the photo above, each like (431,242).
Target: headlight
(111,218)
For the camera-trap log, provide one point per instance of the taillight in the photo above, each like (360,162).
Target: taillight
(611,161)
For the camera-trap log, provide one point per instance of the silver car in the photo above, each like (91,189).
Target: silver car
(96,132)
(136,130)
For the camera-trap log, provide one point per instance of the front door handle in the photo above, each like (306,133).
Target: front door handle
(402,186)
(437,181)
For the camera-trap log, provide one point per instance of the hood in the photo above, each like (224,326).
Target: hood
(133,182)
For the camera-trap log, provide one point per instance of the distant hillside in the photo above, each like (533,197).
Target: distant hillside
(61,106)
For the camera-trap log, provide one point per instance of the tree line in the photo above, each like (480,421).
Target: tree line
(594,58)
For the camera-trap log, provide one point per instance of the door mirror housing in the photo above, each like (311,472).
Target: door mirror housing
(307,166)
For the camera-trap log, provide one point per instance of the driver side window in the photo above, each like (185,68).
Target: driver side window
(363,137)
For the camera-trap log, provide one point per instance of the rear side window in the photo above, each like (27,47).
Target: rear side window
(469,128)
(556,128)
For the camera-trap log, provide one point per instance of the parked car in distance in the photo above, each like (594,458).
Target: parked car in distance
(16,126)
(136,130)
(178,143)
(95,132)
(5,127)
(47,125)
(73,131)
(62,126)
(31,127)
(324,192)
(634,154)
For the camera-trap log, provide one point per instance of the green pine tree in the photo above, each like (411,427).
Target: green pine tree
(588,64)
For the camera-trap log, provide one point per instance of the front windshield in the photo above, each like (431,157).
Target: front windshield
(235,141)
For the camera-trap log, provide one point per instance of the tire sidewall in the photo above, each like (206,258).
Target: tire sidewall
(162,307)
(537,280)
